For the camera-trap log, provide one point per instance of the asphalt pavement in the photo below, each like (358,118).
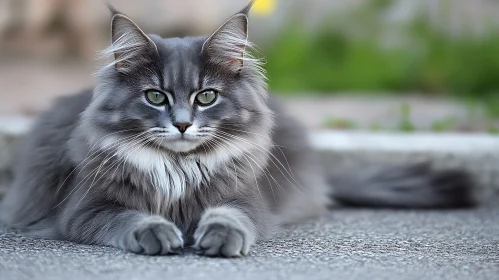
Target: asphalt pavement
(345,244)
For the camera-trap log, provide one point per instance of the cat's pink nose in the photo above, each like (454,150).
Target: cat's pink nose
(182,127)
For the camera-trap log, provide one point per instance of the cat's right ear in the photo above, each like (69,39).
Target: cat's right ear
(227,45)
(130,45)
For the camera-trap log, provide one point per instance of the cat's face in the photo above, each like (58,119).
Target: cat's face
(185,95)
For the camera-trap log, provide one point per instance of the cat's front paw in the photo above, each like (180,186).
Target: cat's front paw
(221,240)
(155,238)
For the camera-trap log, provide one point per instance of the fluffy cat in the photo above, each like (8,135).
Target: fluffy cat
(178,145)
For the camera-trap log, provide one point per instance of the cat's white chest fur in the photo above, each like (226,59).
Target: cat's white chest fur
(169,175)
(172,176)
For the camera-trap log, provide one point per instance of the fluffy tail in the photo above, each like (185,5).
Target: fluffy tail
(416,186)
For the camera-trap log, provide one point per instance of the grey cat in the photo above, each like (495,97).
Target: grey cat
(179,145)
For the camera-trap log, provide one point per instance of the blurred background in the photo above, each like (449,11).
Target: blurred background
(378,65)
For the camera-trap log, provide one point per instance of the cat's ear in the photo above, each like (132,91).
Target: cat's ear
(227,45)
(130,45)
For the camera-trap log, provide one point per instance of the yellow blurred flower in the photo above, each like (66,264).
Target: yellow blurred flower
(264,7)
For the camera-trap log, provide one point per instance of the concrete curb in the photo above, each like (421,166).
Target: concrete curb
(477,153)
(12,129)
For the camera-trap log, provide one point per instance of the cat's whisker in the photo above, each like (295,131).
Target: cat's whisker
(140,145)
(93,180)
(214,147)
(221,144)
(156,129)
(105,149)
(227,126)
(126,158)
(264,170)
(289,170)
(77,187)
(137,144)
(231,158)
(158,197)
(80,184)
(251,158)
(284,175)
(235,126)
(273,158)
(268,138)
(109,134)
(87,156)
(87,177)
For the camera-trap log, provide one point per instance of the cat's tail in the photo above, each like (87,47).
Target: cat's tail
(415,186)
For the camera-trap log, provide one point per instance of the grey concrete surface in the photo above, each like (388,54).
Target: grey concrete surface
(345,244)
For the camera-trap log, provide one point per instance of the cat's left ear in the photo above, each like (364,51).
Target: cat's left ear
(227,45)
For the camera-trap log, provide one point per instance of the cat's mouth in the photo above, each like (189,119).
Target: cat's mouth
(184,137)
(180,143)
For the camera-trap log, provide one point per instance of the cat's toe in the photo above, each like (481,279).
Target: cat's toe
(158,239)
(220,240)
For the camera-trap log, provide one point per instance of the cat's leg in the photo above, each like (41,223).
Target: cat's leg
(131,230)
(225,231)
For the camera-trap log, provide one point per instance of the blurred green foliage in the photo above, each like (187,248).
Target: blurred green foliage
(493,130)
(340,123)
(445,124)
(405,123)
(354,54)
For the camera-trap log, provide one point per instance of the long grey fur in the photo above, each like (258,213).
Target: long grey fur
(100,167)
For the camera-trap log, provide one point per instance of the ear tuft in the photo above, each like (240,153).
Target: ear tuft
(130,45)
(111,8)
(227,45)
(245,10)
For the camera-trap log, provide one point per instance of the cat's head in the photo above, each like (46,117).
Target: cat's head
(182,95)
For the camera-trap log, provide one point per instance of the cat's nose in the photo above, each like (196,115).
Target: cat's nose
(182,127)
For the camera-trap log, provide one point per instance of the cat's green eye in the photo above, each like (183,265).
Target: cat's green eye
(155,97)
(206,97)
